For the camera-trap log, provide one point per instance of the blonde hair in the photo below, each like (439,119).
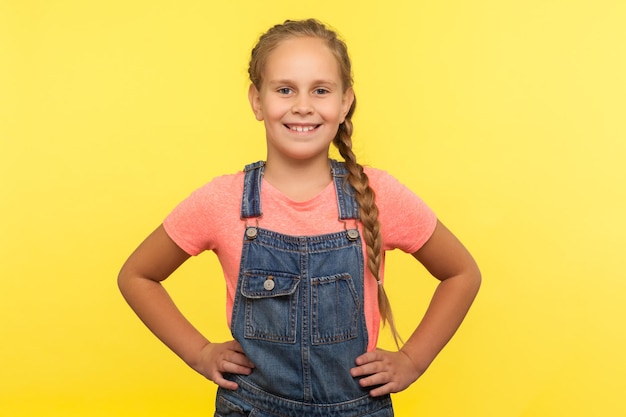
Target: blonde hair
(368,211)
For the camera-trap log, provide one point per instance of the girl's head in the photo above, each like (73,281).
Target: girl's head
(291,30)
(341,134)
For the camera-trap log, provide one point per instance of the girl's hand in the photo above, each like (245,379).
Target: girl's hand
(391,371)
(215,359)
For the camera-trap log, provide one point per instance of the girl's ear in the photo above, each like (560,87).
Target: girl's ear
(346,102)
(255,102)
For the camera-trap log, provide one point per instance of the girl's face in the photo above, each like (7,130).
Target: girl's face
(301,100)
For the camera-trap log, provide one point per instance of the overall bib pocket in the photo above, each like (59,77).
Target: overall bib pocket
(335,309)
(271,305)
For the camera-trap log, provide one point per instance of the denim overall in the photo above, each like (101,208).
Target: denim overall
(298,314)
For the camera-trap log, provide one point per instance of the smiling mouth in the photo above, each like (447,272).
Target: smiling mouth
(300,128)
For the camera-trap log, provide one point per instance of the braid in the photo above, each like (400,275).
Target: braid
(368,212)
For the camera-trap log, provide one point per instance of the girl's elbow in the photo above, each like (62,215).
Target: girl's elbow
(474,279)
(122,280)
(125,280)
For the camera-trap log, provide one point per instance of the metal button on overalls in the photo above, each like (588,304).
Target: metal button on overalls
(269,283)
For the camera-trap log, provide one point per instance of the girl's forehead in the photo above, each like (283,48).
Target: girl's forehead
(302,53)
(301,44)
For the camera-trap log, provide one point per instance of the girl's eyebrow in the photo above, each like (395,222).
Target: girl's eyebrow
(286,81)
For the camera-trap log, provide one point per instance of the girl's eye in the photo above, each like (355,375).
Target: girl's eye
(284,90)
(320,91)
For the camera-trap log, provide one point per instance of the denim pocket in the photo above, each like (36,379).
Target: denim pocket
(270,310)
(226,408)
(335,309)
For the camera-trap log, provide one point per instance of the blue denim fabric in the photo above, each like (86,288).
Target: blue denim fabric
(298,314)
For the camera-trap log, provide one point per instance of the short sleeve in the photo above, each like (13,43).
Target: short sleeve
(197,223)
(406,220)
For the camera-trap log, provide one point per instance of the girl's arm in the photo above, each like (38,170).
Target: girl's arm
(140,283)
(447,260)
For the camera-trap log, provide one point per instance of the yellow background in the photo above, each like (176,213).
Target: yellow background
(507,117)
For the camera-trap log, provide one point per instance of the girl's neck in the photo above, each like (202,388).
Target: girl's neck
(298,180)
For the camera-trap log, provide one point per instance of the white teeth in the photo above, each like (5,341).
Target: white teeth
(302,128)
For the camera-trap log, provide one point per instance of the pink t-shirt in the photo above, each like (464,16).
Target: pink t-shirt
(209,219)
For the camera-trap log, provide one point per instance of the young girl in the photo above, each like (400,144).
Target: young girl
(301,240)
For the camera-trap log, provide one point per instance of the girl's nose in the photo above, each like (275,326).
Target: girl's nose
(302,105)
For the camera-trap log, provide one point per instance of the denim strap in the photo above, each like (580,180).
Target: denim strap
(348,207)
(251,198)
